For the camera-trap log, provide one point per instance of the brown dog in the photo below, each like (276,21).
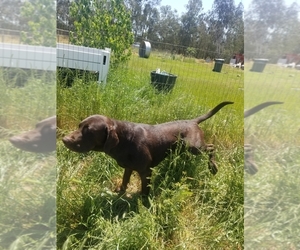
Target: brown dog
(249,165)
(42,139)
(140,147)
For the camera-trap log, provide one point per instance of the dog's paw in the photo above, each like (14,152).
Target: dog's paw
(119,190)
(212,166)
(250,167)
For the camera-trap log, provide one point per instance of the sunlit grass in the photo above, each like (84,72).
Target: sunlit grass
(272,204)
(27,180)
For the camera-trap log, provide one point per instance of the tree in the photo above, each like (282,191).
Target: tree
(151,16)
(63,15)
(144,15)
(168,26)
(39,19)
(103,23)
(290,33)
(220,22)
(284,37)
(271,29)
(234,42)
(10,14)
(190,22)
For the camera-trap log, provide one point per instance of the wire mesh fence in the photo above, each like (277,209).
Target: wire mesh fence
(273,133)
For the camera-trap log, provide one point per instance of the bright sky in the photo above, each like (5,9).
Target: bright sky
(207,4)
(180,5)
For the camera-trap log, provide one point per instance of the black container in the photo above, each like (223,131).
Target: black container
(163,81)
(259,65)
(218,65)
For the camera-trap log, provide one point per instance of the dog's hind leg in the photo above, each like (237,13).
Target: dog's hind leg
(145,178)
(249,166)
(212,166)
(209,149)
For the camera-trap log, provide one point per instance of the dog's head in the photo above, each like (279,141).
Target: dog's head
(42,139)
(95,133)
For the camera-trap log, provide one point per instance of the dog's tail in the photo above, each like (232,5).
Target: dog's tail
(259,107)
(211,112)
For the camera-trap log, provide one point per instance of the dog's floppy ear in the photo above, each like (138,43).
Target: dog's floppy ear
(112,138)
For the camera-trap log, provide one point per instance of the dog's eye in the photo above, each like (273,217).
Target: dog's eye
(85,129)
(45,129)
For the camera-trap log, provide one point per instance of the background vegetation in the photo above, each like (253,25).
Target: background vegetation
(271,197)
(100,24)
(27,180)
(33,19)
(271,29)
(216,32)
(272,213)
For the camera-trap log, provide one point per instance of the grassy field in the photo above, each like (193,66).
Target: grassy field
(27,180)
(188,208)
(272,201)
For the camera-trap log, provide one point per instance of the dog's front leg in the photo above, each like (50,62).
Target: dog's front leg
(126,179)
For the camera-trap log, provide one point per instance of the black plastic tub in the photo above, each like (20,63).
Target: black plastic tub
(163,81)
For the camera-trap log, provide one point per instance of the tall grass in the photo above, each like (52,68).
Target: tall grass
(272,204)
(27,180)
(26,97)
(188,207)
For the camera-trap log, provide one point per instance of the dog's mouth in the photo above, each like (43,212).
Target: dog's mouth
(34,144)
(24,143)
(74,145)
